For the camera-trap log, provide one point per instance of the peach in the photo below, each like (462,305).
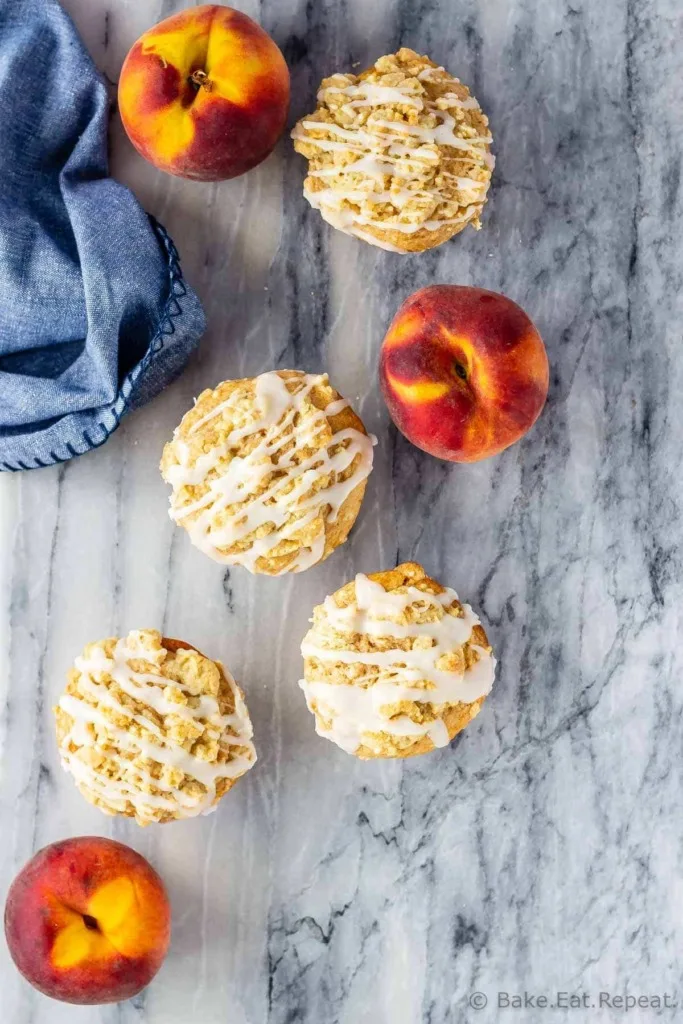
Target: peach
(204,94)
(463,371)
(88,921)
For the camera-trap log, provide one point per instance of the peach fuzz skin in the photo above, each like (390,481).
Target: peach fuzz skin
(88,921)
(204,94)
(463,371)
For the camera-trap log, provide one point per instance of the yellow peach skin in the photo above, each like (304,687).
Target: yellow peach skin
(204,94)
(87,921)
(463,371)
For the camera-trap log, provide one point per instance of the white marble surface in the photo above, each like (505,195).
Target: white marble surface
(543,850)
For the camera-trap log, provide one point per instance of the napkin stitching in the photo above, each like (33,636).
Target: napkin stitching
(165,328)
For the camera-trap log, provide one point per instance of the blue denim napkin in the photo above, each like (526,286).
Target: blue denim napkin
(95,318)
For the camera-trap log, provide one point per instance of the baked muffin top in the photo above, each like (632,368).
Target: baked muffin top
(268,472)
(152,729)
(399,155)
(387,658)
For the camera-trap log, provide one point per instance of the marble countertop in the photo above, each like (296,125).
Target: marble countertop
(543,850)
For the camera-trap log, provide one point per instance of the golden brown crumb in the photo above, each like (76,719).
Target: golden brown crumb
(398,155)
(289,474)
(152,729)
(413,625)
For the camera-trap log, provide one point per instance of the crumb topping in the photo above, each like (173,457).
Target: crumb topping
(261,468)
(152,729)
(398,151)
(388,656)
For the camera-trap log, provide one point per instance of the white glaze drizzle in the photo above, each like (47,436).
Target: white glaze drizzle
(278,409)
(92,728)
(382,151)
(356,709)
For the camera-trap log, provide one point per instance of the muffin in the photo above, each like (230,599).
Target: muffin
(395,665)
(398,155)
(151,729)
(268,472)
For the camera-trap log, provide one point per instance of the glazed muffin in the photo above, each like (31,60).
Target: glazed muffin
(268,472)
(398,155)
(395,665)
(151,729)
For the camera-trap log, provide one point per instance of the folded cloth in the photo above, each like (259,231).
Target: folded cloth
(95,318)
